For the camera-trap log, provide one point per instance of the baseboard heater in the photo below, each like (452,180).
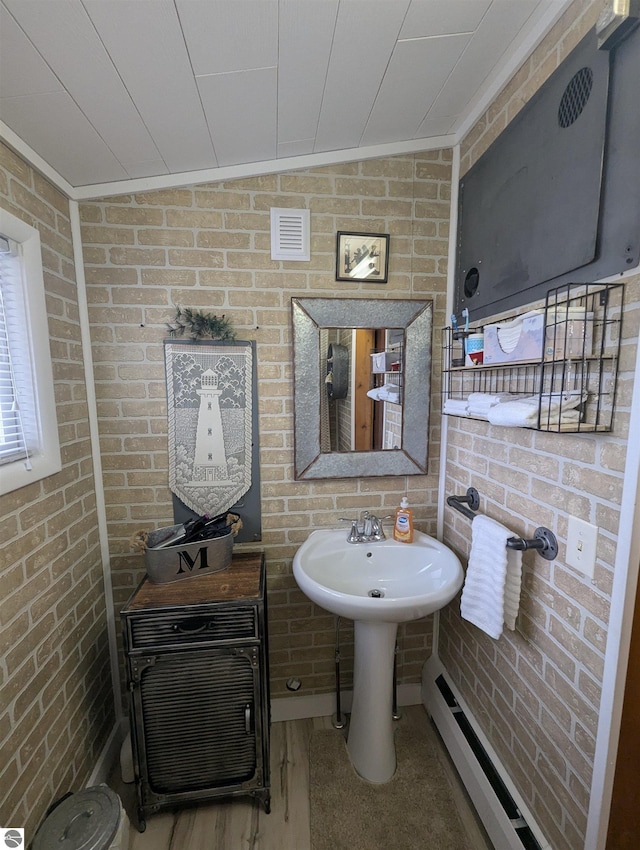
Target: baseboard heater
(508,827)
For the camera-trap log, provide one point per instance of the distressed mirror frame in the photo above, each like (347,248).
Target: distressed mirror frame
(415,318)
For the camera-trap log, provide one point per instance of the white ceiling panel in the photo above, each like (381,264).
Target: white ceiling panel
(418,68)
(230,35)
(443,17)
(22,68)
(361,49)
(433,127)
(166,92)
(66,38)
(146,168)
(59,132)
(145,42)
(301,147)
(306,34)
(497,30)
(250,136)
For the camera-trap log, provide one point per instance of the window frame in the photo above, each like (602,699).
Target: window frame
(44,457)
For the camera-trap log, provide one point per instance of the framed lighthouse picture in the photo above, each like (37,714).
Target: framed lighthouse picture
(210,414)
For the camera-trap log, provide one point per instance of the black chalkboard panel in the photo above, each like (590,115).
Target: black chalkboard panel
(557,196)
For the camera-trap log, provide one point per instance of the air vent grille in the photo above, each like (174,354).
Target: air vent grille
(575,97)
(290,234)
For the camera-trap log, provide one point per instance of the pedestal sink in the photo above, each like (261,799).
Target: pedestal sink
(378,585)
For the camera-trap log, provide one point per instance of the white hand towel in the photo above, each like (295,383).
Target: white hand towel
(488,399)
(481,403)
(390,392)
(387,392)
(491,592)
(457,406)
(523,414)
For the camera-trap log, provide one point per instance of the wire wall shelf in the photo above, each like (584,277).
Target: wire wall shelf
(569,385)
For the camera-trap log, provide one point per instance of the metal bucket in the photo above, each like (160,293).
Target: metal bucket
(172,563)
(93,819)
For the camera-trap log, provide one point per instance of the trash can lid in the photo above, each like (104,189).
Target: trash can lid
(87,820)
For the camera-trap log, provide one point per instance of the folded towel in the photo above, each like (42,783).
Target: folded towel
(481,403)
(491,592)
(457,406)
(523,414)
(488,398)
(387,392)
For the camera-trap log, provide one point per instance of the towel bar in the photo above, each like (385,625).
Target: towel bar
(544,540)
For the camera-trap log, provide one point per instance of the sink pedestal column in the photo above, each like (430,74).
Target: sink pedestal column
(370,742)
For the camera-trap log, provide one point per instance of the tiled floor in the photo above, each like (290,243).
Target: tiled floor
(241,823)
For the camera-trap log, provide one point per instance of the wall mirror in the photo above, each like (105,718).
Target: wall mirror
(362,373)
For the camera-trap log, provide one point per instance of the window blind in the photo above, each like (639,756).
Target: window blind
(16,386)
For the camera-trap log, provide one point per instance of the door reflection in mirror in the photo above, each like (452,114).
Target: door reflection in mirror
(362,407)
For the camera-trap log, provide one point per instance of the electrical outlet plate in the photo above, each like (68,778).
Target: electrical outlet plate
(582,539)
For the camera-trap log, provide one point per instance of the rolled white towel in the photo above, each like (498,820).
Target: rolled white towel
(457,406)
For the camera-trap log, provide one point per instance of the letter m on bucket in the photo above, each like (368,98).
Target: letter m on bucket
(189,563)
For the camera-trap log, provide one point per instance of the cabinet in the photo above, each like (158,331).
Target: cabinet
(197,670)
(576,370)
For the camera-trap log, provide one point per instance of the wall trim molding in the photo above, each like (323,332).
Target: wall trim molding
(96,457)
(324,705)
(108,757)
(616,660)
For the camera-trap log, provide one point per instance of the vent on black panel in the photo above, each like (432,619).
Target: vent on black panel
(575,97)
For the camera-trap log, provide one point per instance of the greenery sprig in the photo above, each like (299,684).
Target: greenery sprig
(200,325)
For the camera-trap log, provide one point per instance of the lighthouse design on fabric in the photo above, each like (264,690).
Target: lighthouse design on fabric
(210,453)
(209,419)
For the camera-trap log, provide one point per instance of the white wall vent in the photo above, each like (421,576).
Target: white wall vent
(290,234)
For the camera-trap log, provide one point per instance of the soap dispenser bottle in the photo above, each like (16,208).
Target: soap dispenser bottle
(403,526)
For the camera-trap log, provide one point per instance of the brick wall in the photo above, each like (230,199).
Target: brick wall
(209,247)
(536,691)
(56,703)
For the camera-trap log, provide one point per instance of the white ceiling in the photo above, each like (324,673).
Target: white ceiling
(104,91)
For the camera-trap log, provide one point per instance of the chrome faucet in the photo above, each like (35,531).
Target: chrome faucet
(371,529)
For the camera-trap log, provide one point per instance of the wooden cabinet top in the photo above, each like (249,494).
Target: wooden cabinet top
(242,580)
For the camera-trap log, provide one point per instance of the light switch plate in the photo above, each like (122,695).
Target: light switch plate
(582,540)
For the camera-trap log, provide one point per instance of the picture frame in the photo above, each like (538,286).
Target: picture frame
(362,257)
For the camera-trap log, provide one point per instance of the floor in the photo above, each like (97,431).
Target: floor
(241,824)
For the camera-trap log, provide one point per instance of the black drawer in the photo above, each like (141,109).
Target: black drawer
(186,629)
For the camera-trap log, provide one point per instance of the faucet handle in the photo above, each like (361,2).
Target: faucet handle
(377,531)
(354,534)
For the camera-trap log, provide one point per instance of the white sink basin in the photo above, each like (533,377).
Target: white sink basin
(385,581)
(378,585)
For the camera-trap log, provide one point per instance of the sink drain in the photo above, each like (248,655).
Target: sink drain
(376,594)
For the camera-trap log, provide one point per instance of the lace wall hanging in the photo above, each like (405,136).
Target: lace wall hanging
(209,398)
